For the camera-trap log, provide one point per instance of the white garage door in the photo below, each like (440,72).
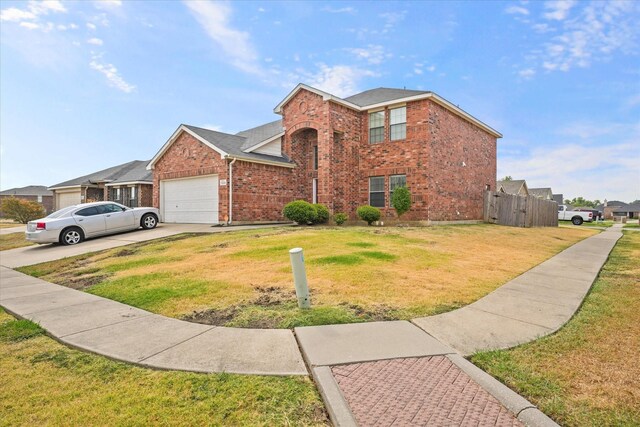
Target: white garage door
(190,200)
(67,199)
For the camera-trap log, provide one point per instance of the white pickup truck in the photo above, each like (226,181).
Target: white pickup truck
(576,217)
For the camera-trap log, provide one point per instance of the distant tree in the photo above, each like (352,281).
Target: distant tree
(636,202)
(507,178)
(21,210)
(582,202)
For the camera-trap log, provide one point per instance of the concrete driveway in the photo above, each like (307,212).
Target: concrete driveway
(43,253)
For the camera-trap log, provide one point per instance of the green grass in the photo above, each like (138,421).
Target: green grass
(605,224)
(586,374)
(355,274)
(13,241)
(632,225)
(46,383)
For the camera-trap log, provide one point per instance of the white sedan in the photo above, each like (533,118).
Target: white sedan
(73,224)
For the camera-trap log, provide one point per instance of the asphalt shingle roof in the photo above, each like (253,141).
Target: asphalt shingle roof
(511,187)
(381,94)
(108,175)
(232,145)
(30,190)
(260,133)
(540,192)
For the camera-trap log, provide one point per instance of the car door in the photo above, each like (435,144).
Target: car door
(90,220)
(118,219)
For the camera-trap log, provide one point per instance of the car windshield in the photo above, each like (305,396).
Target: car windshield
(61,212)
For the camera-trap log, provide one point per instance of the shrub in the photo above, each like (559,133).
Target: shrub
(20,210)
(401,200)
(340,218)
(322,214)
(368,213)
(300,211)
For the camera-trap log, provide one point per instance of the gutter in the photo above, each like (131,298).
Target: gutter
(231,191)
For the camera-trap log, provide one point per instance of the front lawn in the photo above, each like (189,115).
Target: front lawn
(606,224)
(46,383)
(9,224)
(355,274)
(587,374)
(12,241)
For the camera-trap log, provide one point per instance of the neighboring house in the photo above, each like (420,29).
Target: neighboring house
(559,199)
(33,193)
(342,152)
(616,208)
(542,193)
(515,186)
(130,184)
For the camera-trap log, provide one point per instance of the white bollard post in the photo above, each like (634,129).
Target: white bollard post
(300,277)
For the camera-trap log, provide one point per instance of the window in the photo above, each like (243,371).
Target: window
(39,198)
(88,211)
(398,123)
(376,191)
(115,193)
(315,157)
(396,181)
(376,127)
(314,184)
(132,192)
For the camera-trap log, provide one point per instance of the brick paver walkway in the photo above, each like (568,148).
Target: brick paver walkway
(424,391)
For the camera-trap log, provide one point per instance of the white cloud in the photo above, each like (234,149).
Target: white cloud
(558,9)
(236,45)
(14,14)
(339,80)
(347,9)
(614,176)
(373,54)
(111,73)
(417,71)
(95,41)
(431,68)
(517,10)
(597,30)
(30,25)
(392,19)
(91,26)
(527,73)
(107,4)
(261,9)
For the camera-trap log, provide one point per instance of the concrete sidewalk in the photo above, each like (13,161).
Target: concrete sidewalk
(532,305)
(382,373)
(125,333)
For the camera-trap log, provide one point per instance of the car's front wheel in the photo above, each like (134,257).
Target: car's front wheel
(576,220)
(71,236)
(149,221)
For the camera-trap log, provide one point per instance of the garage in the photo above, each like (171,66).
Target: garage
(190,200)
(67,198)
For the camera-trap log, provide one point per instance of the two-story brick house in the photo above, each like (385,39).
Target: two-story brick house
(343,152)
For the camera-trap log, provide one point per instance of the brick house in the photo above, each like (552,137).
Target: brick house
(129,184)
(342,152)
(32,193)
(514,186)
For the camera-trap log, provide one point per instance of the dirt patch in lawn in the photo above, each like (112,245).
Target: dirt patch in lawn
(84,282)
(126,252)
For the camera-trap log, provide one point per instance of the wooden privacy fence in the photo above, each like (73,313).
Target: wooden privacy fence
(519,211)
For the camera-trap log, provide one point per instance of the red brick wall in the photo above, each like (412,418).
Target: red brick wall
(456,190)
(145,195)
(259,191)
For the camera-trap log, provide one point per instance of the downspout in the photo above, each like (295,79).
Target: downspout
(231,191)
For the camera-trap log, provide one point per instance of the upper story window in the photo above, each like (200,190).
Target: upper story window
(376,191)
(376,127)
(398,123)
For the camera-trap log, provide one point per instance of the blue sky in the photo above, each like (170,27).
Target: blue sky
(88,85)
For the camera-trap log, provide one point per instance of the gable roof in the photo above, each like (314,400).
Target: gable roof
(259,134)
(511,187)
(29,190)
(227,145)
(105,175)
(381,97)
(136,175)
(541,192)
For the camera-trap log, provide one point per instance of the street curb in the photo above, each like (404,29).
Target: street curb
(524,410)
(334,400)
